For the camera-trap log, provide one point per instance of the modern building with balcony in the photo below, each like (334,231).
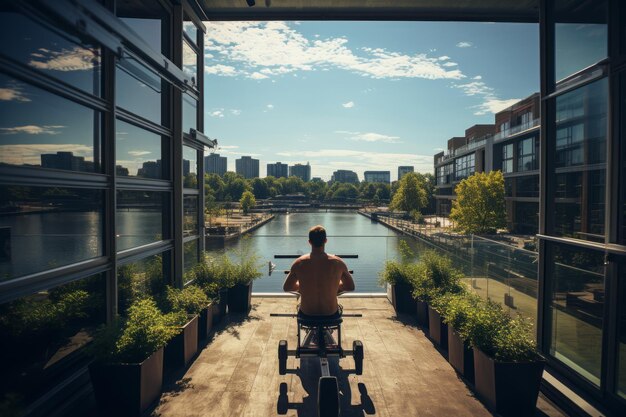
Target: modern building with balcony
(215,164)
(301,171)
(377,176)
(278,170)
(247,167)
(345,175)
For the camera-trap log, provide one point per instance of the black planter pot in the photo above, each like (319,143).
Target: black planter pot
(205,323)
(422,313)
(215,308)
(437,329)
(222,303)
(128,389)
(460,355)
(402,298)
(183,347)
(240,298)
(509,388)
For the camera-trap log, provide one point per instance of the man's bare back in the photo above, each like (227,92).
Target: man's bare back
(318,277)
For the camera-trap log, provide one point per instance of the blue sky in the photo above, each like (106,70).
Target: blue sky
(359,95)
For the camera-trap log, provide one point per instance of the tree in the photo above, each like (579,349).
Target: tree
(247,201)
(260,188)
(479,206)
(411,194)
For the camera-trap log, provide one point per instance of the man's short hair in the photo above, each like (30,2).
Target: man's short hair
(317,236)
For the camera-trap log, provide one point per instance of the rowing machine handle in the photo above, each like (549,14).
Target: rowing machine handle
(287,271)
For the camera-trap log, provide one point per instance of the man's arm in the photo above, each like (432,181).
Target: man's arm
(346,283)
(291,282)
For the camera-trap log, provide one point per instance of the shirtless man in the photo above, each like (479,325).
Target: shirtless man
(318,277)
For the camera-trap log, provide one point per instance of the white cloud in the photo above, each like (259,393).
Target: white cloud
(270,106)
(450,64)
(217,113)
(464,44)
(255,47)
(348,105)
(475,88)
(494,105)
(12,94)
(31,130)
(257,76)
(75,59)
(229,147)
(371,137)
(139,153)
(235,112)
(478,77)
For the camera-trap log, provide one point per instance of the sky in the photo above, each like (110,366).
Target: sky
(359,95)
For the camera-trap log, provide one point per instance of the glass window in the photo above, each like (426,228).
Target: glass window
(41,129)
(580,35)
(139,90)
(66,57)
(190,167)
(508,187)
(464,166)
(622,166)
(576,282)
(138,152)
(190,208)
(148,19)
(527,186)
(43,336)
(526,219)
(190,256)
(137,280)
(190,29)
(526,155)
(580,163)
(190,64)
(43,228)
(507,158)
(190,113)
(139,218)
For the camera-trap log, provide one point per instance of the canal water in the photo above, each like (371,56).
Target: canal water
(349,233)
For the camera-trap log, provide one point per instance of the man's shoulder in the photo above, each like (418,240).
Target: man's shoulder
(336,259)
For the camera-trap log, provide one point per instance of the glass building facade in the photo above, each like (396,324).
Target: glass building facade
(99,168)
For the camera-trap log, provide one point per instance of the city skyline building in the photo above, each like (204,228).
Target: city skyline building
(403,170)
(345,175)
(377,176)
(215,164)
(301,171)
(247,167)
(278,170)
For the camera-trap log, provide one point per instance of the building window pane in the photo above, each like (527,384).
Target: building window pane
(138,152)
(526,160)
(139,218)
(38,128)
(139,90)
(622,139)
(47,227)
(148,19)
(145,278)
(66,57)
(464,166)
(190,29)
(576,282)
(190,167)
(190,256)
(580,162)
(190,114)
(580,35)
(43,338)
(621,359)
(190,207)
(507,158)
(527,186)
(190,64)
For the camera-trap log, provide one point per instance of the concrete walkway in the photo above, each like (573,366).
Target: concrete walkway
(236,374)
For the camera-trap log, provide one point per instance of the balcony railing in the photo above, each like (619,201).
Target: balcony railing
(516,129)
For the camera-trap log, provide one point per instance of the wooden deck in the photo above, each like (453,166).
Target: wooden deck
(236,374)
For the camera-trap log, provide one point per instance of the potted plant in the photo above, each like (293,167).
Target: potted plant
(456,310)
(434,277)
(214,275)
(397,275)
(507,366)
(184,305)
(246,270)
(127,373)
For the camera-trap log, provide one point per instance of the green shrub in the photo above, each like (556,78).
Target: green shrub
(457,310)
(395,273)
(190,299)
(248,265)
(492,330)
(434,275)
(133,339)
(214,272)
